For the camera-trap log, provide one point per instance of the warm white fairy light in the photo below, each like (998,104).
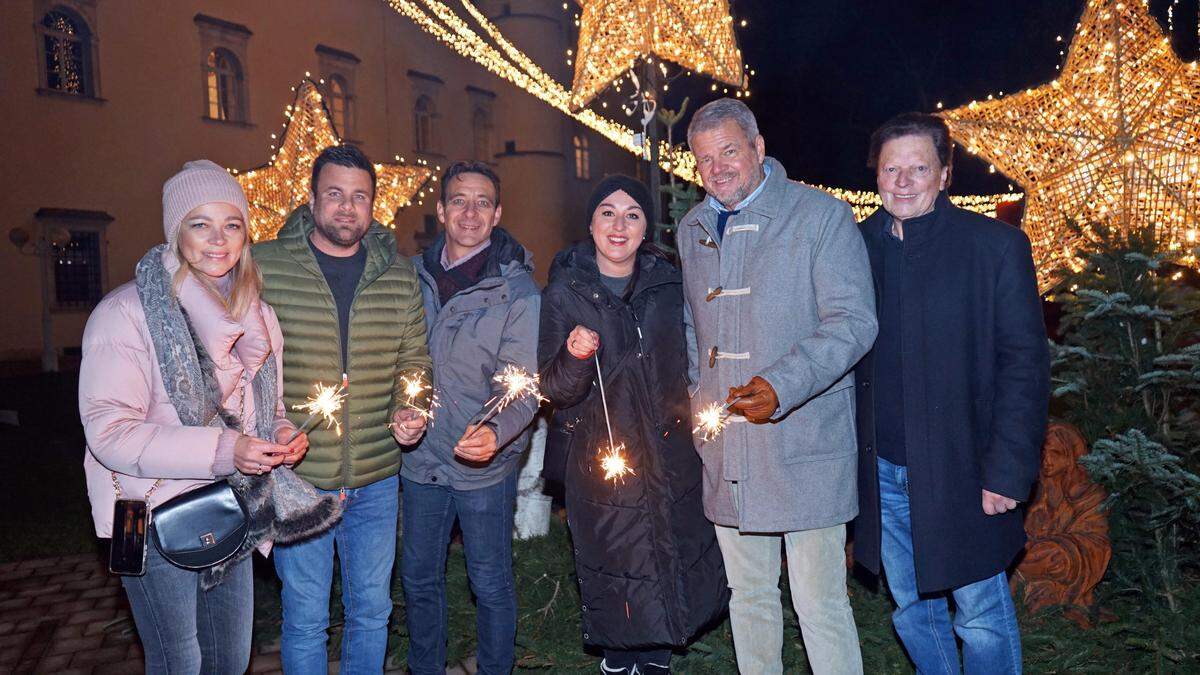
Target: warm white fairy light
(494,52)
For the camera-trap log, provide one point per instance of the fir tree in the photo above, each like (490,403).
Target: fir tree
(1128,371)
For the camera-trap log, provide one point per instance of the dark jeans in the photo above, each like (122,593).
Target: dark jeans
(187,630)
(485,516)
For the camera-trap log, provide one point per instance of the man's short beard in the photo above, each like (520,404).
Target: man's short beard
(747,188)
(336,235)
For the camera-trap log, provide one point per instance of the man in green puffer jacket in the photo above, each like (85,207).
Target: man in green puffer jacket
(350,309)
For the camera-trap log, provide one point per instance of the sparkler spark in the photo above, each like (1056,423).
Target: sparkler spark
(518,383)
(711,421)
(614,464)
(414,388)
(326,403)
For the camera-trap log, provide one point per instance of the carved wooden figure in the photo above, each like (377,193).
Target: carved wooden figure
(1068,548)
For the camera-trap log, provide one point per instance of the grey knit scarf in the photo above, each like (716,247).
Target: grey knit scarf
(283,507)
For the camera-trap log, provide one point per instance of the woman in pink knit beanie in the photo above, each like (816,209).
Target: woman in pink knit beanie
(179,387)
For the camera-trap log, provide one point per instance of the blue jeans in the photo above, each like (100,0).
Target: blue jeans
(366,546)
(186,630)
(485,516)
(984,617)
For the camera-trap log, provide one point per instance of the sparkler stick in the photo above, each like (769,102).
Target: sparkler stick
(604,401)
(326,403)
(613,462)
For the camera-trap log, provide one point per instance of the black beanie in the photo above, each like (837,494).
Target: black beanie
(630,186)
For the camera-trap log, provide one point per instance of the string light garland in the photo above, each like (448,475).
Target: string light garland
(1113,140)
(499,56)
(275,189)
(615,34)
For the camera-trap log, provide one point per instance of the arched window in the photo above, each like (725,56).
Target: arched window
(583,162)
(481,124)
(339,101)
(67,53)
(223,80)
(423,114)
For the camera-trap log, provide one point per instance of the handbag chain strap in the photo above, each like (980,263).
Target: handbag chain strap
(241,419)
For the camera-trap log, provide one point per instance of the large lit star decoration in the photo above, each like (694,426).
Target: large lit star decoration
(281,185)
(1113,140)
(614,34)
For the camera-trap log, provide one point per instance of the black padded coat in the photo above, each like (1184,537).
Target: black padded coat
(649,569)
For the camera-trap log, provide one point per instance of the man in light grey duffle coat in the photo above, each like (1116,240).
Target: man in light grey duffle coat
(781,306)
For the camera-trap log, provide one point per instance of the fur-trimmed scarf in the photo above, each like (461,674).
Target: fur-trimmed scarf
(283,507)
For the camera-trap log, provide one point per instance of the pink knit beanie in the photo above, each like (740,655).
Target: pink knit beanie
(200,182)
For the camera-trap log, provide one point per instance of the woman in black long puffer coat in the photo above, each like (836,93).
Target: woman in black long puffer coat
(649,568)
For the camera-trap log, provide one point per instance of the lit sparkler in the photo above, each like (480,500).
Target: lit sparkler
(712,420)
(415,387)
(326,403)
(518,383)
(614,464)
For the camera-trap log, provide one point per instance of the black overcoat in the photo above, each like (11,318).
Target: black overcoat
(975,386)
(647,560)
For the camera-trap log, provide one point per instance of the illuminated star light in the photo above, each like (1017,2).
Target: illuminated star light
(614,34)
(281,185)
(1112,140)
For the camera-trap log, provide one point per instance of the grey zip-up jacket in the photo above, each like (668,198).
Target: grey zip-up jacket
(478,332)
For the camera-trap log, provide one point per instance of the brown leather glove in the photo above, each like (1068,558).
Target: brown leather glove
(758,400)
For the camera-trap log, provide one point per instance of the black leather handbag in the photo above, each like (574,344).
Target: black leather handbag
(201,528)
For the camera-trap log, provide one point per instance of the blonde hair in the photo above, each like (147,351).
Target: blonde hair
(247,281)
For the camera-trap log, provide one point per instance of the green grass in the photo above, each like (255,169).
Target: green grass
(45,512)
(1141,639)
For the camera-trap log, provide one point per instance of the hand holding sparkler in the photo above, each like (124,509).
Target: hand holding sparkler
(478,444)
(326,403)
(756,400)
(582,343)
(295,442)
(408,424)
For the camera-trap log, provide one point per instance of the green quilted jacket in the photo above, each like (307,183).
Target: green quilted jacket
(387,340)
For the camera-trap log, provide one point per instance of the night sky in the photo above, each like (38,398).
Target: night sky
(830,71)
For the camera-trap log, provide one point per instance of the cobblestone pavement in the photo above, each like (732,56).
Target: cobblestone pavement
(69,616)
